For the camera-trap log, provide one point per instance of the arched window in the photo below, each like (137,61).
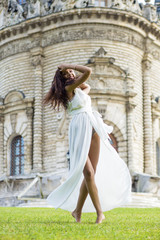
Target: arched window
(100,3)
(158,157)
(17,156)
(114,141)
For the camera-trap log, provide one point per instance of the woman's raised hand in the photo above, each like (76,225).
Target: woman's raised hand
(62,67)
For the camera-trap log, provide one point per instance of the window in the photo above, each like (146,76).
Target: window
(158,157)
(17,156)
(100,3)
(113,141)
(21,1)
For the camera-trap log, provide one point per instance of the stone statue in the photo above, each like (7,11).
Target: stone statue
(128,5)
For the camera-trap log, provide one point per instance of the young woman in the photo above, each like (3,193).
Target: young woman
(95,166)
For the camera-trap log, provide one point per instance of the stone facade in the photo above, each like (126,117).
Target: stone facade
(121,43)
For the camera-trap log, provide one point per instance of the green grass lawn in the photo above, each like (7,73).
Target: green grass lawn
(48,223)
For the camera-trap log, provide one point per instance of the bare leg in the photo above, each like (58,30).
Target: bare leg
(92,189)
(94,156)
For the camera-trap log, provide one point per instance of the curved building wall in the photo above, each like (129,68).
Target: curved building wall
(124,84)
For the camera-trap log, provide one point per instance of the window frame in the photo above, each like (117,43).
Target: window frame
(14,155)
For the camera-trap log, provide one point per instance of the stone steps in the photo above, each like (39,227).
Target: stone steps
(143,200)
(139,200)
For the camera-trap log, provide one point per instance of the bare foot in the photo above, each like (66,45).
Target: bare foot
(100,218)
(77,216)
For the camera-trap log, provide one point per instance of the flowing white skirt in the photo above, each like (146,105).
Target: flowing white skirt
(112,176)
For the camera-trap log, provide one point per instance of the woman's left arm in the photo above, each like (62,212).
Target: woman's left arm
(85,87)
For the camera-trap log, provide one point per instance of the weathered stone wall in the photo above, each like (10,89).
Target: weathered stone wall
(16,74)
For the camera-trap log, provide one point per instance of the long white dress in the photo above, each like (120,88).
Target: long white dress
(112,176)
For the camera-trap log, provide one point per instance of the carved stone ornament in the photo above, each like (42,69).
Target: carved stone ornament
(29,112)
(130,105)
(12,12)
(146,64)
(37,60)
(13,118)
(61,118)
(128,5)
(13,96)
(72,34)
(107,76)
(150,12)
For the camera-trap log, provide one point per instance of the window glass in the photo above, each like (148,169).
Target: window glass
(100,3)
(17,156)
(113,141)
(21,1)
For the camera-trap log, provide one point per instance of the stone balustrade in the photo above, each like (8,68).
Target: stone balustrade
(16,11)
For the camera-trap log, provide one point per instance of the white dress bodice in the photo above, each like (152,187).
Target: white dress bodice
(80,102)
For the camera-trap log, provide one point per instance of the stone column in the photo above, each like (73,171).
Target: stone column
(37,62)
(29,157)
(129,109)
(147,118)
(1,144)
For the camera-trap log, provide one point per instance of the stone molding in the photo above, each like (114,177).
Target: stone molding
(108,16)
(23,37)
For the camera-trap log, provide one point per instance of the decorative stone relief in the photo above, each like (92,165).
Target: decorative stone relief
(13,96)
(150,12)
(57,36)
(34,8)
(13,12)
(130,105)
(128,5)
(13,118)
(62,119)
(107,75)
(36,60)
(29,112)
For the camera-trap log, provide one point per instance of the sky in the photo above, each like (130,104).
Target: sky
(142,1)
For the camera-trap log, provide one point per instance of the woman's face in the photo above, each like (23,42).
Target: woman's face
(69,73)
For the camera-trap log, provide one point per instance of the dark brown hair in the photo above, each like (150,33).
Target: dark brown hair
(57,95)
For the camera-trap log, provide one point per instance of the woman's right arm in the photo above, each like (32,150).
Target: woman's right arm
(86,72)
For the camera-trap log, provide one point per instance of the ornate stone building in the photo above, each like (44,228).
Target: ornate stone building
(120,41)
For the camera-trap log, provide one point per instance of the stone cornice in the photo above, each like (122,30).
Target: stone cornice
(18,105)
(79,16)
(35,31)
